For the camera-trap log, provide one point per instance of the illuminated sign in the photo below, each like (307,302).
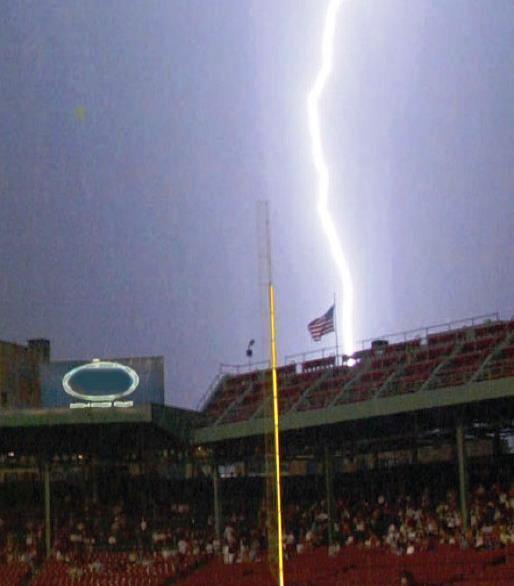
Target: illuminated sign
(110,382)
(101,383)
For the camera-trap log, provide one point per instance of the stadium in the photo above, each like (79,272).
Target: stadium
(165,167)
(396,467)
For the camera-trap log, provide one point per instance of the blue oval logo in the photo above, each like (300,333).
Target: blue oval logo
(100,380)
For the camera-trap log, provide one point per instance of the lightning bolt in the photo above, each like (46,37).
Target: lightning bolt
(338,256)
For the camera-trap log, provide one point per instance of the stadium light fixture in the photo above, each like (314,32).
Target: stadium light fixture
(320,164)
(249,349)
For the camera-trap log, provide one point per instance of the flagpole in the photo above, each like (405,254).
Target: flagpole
(335,327)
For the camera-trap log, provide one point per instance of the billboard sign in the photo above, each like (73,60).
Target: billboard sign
(120,382)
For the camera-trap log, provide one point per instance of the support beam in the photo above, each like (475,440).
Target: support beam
(94,471)
(329,484)
(217,502)
(48,533)
(497,444)
(463,474)
(415,441)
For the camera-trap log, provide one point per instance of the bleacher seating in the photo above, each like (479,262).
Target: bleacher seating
(441,360)
(322,394)
(113,569)
(361,567)
(14,573)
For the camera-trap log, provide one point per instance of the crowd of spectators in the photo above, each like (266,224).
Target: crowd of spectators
(408,524)
(402,525)
(168,536)
(20,540)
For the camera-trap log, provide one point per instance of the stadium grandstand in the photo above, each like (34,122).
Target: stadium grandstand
(397,468)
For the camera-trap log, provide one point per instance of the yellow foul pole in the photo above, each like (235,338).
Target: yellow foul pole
(276,432)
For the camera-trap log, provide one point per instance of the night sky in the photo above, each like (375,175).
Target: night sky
(136,139)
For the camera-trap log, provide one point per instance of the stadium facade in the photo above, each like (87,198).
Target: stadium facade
(438,399)
(20,373)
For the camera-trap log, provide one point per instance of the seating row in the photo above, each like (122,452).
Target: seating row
(447,565)
(451,358)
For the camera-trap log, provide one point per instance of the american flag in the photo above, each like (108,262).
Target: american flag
(322,325)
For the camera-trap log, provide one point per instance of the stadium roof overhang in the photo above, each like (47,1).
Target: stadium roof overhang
(45,431)
(380,415)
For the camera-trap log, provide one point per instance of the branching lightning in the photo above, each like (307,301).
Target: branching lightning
(323,174)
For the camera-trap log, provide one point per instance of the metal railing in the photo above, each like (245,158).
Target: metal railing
(424,332)
(243,368)
(204,399)
(312,355)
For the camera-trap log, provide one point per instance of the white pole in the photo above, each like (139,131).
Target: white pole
(335,327)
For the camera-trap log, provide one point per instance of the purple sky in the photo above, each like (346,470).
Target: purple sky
(132,231)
